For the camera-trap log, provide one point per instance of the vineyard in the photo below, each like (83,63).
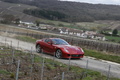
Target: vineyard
(15,64)
(25,65)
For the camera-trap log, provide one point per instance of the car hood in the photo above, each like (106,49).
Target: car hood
(70,48)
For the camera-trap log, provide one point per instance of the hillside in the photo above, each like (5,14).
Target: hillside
(16,10)
(75,11)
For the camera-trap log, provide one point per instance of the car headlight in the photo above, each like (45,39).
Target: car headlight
(82,50)
(66,50)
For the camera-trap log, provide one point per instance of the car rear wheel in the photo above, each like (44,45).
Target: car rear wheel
(58,54)
(38,49)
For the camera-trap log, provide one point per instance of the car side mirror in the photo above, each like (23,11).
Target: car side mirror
(50,43)
(69,43)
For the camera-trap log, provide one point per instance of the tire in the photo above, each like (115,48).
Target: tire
(58,54)
(38,49)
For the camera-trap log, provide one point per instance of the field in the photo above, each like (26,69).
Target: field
(94,26)
(113,39)
(91,25)
(102,55)
(119,32)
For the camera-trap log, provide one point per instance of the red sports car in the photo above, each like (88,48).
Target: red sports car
(58,47)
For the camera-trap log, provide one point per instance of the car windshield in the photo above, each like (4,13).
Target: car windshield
(59,42)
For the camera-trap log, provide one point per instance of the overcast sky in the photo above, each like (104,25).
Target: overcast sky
(116,2)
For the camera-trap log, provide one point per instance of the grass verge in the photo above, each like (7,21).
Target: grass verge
(100,55)
(26,38)
(113,38)
(5,72)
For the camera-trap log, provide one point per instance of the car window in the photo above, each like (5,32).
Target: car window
(47,40)
(59,42)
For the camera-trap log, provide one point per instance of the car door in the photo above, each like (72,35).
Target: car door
(48,47)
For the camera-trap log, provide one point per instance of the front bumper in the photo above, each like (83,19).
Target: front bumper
(66,55)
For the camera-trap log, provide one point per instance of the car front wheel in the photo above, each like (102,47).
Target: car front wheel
(38,49)
(58,54)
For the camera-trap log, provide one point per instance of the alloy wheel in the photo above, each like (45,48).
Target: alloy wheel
(38,49)
(58,54)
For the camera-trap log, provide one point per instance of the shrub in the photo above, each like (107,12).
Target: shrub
(12,75)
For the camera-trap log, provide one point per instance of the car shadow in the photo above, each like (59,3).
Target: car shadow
(72,59)
(62,58)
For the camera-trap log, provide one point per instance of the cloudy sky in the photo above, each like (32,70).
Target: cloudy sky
(116,2)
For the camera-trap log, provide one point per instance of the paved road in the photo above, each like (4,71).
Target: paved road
(93,64)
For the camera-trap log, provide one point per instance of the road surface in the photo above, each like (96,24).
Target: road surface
(93,64)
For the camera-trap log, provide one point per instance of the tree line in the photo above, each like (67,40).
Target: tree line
(48,14)
(8,19)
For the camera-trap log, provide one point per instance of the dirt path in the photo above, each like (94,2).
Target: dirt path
(96,65)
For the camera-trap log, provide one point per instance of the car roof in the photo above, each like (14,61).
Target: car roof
(56,38)
(52,38)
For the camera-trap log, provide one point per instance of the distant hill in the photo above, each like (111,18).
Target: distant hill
(72,11)
(16,10)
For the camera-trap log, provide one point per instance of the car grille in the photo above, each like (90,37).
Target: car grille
(75,55)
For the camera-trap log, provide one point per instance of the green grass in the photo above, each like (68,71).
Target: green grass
(26,38)
(113,38)
(4,72)
(101,55)
(56,23)
(91,25)
(80,25)
(90,74)
(119,32)
(85,25)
